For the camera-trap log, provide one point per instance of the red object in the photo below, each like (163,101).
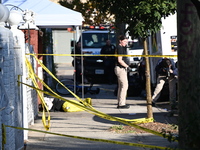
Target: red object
(102,27)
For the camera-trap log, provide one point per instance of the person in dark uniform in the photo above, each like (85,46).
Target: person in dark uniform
(109,61)
(77,63)
(166,71)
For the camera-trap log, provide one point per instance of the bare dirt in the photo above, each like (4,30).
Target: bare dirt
(155,126)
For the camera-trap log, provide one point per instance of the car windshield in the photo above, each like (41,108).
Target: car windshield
(97,40)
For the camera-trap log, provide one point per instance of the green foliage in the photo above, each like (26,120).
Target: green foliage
(142,16)
(88,9)
(170,135)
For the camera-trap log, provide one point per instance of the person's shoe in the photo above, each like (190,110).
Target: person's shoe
(124,107)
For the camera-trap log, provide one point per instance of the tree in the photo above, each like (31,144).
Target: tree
(188,64)
(88,9)
(143,18)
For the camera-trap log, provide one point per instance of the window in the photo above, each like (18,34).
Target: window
(97,40)
(136,44)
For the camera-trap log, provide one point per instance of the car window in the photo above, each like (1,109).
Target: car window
(136,44)
(97,40)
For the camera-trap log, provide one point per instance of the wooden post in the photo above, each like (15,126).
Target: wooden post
(148,82)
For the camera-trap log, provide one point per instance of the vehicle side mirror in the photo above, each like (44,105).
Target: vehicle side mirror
(130,44)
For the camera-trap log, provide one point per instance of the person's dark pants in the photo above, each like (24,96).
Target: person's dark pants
(78,72)
(109,71)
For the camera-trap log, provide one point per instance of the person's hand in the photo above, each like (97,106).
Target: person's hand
(128,69)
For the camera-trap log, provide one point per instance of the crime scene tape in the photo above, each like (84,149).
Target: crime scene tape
(32,76)
(87,107)
(3,135)
(90,139)
(169,56)
(105,116)
(144,120)
(47,70)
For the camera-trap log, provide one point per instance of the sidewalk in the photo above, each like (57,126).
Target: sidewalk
(87,125)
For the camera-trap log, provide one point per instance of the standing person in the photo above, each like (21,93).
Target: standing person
(166,70)
(109,61)
(121,69)
(77,62)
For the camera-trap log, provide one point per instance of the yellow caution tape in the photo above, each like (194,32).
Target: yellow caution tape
(105,116)
(116,55)
(47,70)
(72,92)
(45,108)
(68,107)
(94,139)
(3,135)
(87,107)
(33,76)
(19,78)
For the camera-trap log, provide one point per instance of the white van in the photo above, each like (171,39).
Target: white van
(94,40)
(135,48)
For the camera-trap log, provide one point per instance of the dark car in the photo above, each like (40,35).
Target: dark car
(93,41)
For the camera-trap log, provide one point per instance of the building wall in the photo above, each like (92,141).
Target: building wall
(13,95)
(62,45)
(7,79)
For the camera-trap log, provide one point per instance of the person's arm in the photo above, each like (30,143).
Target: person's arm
(172,66)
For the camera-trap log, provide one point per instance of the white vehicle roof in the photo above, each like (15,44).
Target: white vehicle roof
(97,31)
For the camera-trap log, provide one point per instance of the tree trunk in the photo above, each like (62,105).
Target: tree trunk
(148,82)
(189,73)
(120,29)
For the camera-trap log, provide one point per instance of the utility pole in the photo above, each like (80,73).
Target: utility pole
(188,23)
